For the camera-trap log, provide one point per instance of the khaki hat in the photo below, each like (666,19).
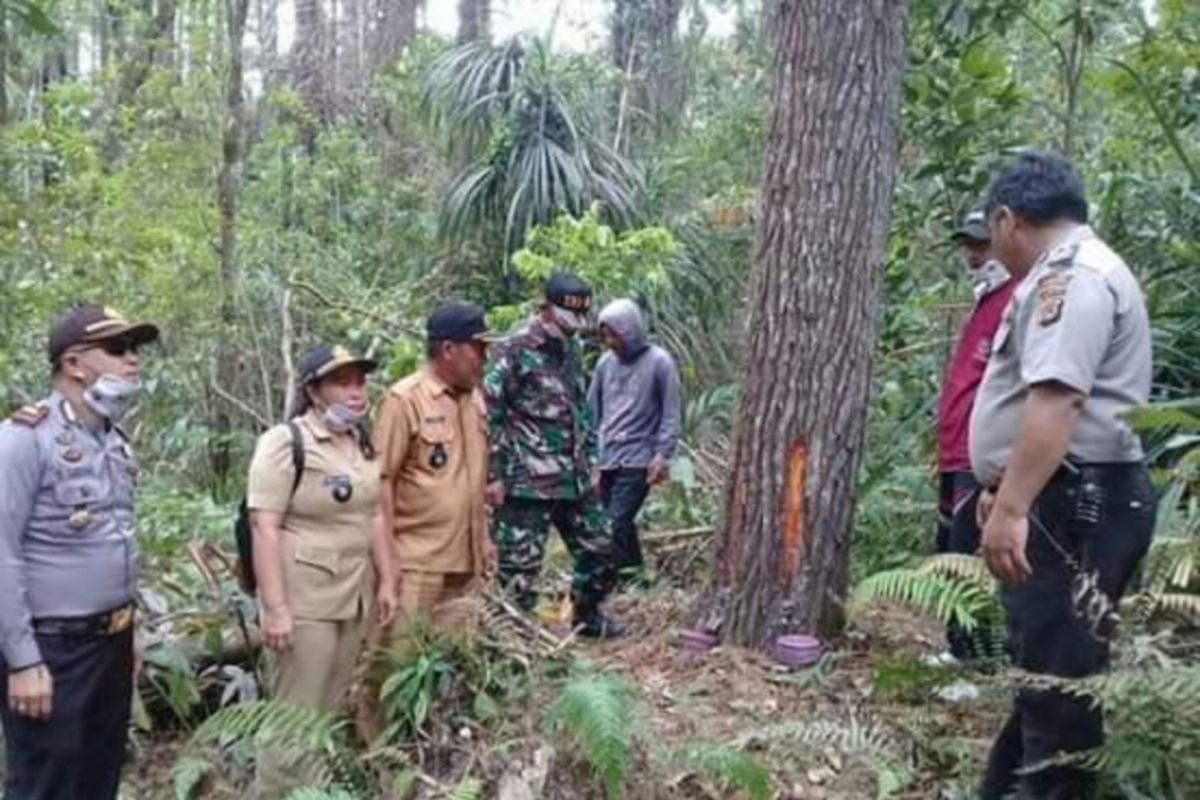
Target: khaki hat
(89,323)
(323,359)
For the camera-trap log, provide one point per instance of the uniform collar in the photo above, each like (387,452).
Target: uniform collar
(316,426)
(1064,249)
(436,385)
(988,278)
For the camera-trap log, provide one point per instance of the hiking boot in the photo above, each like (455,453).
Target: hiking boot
(595,625)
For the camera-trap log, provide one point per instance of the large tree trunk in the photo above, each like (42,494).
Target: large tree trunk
(307,56)
(474,20)
(828,171)
(229,186)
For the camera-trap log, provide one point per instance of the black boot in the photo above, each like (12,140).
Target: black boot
(593,624)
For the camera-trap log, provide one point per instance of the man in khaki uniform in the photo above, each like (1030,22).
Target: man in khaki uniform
(431,434)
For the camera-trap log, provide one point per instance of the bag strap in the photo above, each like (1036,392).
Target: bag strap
(297,454)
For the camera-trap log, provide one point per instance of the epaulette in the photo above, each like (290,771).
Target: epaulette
(1063,255)
(31,415)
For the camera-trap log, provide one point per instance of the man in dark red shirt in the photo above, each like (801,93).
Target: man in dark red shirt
(957,530)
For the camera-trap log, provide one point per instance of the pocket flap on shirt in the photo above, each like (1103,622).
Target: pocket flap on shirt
(322,558)
(435,432)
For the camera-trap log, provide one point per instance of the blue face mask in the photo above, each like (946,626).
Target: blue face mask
(341,418)
(112,396)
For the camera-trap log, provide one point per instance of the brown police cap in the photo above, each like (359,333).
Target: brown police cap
(88,323)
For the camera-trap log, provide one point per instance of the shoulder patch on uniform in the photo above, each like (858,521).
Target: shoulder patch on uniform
(1062,255)
(30,416)
(1051,294)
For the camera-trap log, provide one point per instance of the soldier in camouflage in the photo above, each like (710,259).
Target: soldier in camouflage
(543,454)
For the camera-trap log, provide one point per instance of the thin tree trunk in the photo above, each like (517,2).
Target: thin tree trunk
(228,190)
(395,25)
(828,173)
(3,62)
(474,21)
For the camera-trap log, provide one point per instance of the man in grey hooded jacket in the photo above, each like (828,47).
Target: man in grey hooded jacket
(635,401)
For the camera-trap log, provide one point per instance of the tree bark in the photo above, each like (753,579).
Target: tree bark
(645,49)
(229,185)
(823,205)
(3,62)
(395,25)
(474,21)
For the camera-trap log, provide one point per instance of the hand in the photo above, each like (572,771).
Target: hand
(1003,545)
(491,559)
(983,507)
(493,495)
(657,472)
(385,603)
(31,692)
(277,628)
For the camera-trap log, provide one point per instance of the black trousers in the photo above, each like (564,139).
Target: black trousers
(77,753)
(958,532)
(1103,517)
(623,491)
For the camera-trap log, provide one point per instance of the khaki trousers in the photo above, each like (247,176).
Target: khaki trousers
(317,673)
(444,599)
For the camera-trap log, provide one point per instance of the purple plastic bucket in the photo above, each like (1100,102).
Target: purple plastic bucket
(697,640)
(797,650)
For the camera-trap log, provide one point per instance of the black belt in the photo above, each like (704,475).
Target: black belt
(109,623)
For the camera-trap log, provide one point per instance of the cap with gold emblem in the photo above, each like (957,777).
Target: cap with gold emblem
(323,359)
(89,323)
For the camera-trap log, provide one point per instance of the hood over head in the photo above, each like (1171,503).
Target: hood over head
(624,319)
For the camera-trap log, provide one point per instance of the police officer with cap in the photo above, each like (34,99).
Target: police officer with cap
(1068,507)
(68,564)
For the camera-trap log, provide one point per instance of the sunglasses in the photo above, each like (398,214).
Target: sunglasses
(118,347)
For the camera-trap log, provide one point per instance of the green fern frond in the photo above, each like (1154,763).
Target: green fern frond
(271,722)
(959,565)
(467,789)
(731,767)
(929,589)
(313,793)
(1186,605)
(187,776)
(597,710)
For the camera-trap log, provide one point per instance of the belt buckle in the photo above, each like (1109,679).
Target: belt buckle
(119,620)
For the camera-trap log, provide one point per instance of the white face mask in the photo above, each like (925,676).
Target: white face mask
(112,396)
(340,418)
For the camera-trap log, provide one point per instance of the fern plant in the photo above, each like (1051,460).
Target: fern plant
(954,588)
(596,709)
(731,767)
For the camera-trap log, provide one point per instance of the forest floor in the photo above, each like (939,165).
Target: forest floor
(878,716)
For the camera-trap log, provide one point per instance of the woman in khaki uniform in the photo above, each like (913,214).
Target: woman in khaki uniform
(321,552)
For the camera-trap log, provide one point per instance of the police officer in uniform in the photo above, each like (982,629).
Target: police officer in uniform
(68,565)
(1068,507)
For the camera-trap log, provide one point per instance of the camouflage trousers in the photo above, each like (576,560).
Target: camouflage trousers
(521,528)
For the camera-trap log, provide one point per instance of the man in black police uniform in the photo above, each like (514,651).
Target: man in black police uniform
(68,565)
(1068,507)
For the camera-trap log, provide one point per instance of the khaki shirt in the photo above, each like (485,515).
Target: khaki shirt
(1079,319)
(433,446)
(326,536)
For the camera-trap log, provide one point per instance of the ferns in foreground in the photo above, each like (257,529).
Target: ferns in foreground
(954,588)
(597,711)
(731,767)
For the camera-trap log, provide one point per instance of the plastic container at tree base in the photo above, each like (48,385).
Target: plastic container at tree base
(797,650)
(698,640)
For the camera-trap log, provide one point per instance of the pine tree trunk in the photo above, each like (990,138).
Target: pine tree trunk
(829,168)
(395,25)
(645,50)
(228,190)
(3,62)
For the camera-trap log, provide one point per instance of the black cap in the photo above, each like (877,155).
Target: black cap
(323,359)
(89,323)
(457,322)
(974,228)
(567,291)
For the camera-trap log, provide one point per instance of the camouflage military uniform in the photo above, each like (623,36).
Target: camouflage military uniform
(542,447)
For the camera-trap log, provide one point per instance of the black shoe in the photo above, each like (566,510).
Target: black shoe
(596,625)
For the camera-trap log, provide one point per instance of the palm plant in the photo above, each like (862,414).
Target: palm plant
(520,123)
